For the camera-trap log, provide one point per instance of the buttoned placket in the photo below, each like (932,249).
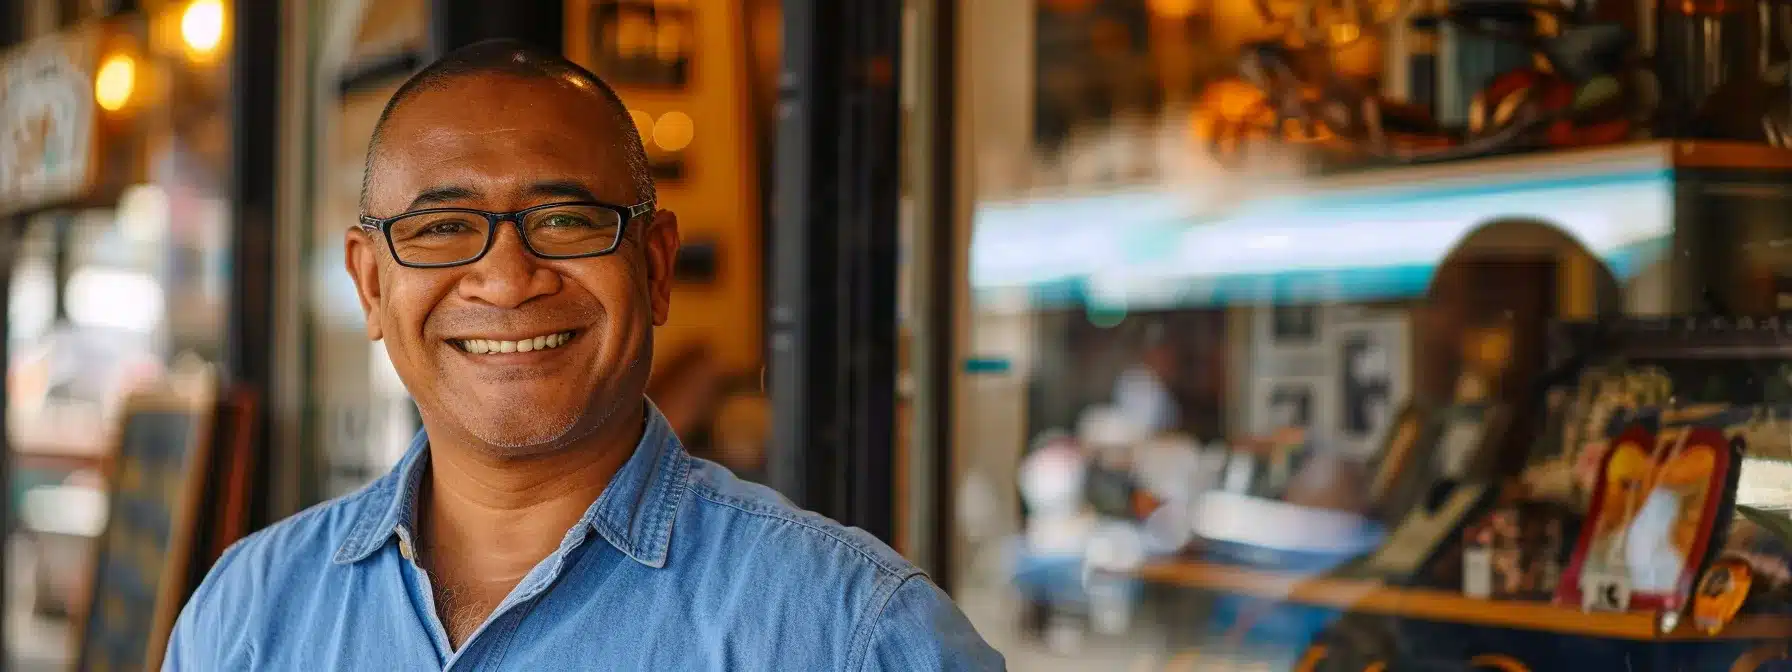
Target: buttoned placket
(533,585)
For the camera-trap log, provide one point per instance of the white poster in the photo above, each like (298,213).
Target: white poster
(1372,382)
(46,121)
(1341,372)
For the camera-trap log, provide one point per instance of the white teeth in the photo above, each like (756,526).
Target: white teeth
(480,346)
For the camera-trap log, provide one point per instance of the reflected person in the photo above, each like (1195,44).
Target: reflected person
(511,258)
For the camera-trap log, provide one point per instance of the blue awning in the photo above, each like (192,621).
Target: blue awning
(1157,249)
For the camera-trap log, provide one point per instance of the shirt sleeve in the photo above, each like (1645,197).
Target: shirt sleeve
(201,639)
(189,641)
(920,629)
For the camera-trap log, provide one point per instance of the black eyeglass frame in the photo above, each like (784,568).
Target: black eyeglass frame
(625,213)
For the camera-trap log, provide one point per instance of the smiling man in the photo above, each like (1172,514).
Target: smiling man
(511,258)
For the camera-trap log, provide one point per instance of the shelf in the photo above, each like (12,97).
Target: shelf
(1564,164)
(1374,597)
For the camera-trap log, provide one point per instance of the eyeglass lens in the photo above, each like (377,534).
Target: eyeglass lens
(454,236)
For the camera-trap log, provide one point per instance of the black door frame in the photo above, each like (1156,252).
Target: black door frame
(458,23)
(249,353)
(834,261)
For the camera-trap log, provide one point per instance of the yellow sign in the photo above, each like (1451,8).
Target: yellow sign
(48,121)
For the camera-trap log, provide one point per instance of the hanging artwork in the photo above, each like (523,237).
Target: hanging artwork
(1372,382)
(49,125)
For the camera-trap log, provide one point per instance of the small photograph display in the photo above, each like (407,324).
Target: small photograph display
(1295,325)
(1655,507)
(1291,405)
(1372,382)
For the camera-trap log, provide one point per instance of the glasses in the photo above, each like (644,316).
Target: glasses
(442,237)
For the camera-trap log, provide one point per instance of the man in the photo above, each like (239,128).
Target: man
(511,259)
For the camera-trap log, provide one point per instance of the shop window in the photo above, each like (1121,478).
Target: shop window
(1258,376)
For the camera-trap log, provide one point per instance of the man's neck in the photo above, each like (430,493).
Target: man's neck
(485,521)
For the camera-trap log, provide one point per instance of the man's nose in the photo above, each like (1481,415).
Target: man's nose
(508,275)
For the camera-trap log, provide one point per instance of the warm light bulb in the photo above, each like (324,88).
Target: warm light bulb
(643,124)
(673,131)
(202,25)
(113,85)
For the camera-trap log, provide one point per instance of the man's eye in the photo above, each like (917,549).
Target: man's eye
(445,228)
(565,221)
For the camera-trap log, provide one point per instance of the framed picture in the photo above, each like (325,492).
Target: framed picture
(1464,432)
(1432,447)
(1294,325)
(640,43)
(1425,532)
(1409,434)
(1372,383)
(1291,403)
(1651,525)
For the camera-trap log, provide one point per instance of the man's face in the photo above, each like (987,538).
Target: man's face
(501,144)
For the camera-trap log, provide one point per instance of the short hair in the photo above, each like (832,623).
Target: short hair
(513,58)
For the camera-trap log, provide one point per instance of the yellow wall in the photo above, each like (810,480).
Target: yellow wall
(718,197)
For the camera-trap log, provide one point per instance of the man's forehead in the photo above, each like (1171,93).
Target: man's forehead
(486,102)
(458,137)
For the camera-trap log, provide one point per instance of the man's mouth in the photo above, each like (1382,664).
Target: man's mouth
(486,346)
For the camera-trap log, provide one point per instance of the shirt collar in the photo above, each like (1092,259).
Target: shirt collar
(634,513)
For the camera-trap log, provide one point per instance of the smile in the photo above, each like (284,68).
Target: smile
(486,346)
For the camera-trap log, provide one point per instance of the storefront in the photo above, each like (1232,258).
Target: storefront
(1247,382)
(114,156)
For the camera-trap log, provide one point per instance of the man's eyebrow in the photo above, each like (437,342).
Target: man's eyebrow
(561,189)
(440,195)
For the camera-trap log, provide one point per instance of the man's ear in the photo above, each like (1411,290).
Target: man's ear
(362,257)
(662,251)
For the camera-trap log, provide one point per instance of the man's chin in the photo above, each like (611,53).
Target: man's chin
(524,433)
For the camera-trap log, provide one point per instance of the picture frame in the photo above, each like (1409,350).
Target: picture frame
(643,44)
(1425,532)
(1438,447)
(1373,381)
(1295,325)
(1639,550)
(1301,402)
(1411,431)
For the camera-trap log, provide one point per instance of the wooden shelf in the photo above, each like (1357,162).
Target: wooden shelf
(1374,597)
(1659,155)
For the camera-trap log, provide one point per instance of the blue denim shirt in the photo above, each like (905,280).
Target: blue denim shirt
(678,565)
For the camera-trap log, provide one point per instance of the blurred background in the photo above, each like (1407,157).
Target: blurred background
(1164,334)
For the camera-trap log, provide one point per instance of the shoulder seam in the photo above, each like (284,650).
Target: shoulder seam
(885,568)
(866,633)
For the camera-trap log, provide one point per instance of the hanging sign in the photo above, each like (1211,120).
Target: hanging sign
(48,120)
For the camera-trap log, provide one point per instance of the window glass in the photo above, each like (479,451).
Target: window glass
(114,291)
(1272,360)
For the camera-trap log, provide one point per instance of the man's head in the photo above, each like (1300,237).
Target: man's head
(499,127)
